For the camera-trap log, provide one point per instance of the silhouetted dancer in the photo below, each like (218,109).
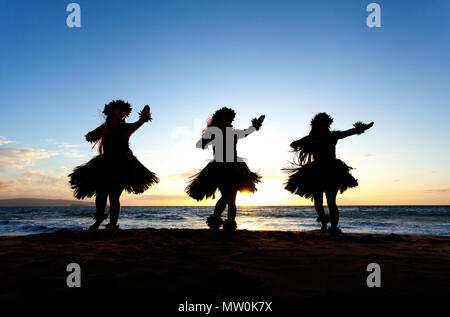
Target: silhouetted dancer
(227,172)
(115,168)
(318,171)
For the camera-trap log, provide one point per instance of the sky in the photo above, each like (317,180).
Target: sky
(286,59)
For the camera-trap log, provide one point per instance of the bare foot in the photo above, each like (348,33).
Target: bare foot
(96,225)
(334,231)
(112,228)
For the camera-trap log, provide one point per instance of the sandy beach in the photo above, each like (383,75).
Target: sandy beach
(175,262)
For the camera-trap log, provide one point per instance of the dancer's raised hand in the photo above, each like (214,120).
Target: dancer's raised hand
(145,114)
(257,123)
(368,126)
(362,127)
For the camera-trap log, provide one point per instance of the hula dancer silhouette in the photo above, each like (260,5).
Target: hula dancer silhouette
(116,168)
(318,171)
(227,172)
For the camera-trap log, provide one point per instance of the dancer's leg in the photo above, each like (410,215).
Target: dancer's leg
(215,221)
(100,205)
(114,205)
(318,206)
(230,198)
(220,207)
(231,201)
(332,207)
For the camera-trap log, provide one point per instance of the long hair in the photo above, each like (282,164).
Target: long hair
(304,148)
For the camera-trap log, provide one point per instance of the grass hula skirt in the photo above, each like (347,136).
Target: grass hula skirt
(318,177)
(222,176)
(107,172)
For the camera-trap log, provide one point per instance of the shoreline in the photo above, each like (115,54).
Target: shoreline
(199,262)
(392,234)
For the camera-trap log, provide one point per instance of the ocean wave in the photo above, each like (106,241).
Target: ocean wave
(21,227)
(370,219)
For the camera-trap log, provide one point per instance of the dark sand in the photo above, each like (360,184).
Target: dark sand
(178,262)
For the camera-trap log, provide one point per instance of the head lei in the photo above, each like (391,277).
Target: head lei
(117,104)
(321,117)
(223,113)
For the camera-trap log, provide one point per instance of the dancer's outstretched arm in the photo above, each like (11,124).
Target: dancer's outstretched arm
(144,116)
(256,125)
(209,135)
(299,143)
(359,128)
(95,135)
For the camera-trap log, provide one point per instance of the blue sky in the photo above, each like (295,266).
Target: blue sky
(287,59)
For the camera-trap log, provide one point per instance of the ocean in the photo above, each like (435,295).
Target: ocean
(433,220)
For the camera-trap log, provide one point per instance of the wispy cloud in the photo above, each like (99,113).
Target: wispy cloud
(20,158)
(67,149)
(37,183)
(437,190)
(71,153)
(41,178)
(7,186)
(69,145)
(4,140)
